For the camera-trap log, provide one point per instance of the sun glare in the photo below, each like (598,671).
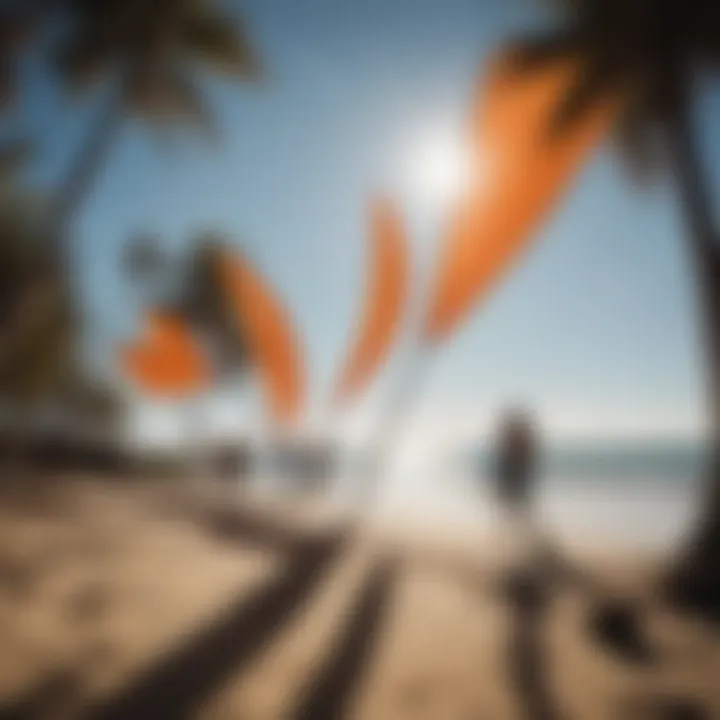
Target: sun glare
(439,168)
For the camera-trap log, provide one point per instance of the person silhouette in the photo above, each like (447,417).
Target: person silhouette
(516,460)
(514,473)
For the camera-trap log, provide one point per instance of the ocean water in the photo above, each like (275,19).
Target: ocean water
(623,495)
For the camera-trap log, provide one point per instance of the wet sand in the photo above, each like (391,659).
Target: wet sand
(127,601)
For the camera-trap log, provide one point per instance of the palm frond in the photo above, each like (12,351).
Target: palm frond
(651,48)
(594,81)
(221,44)
(533,52)
(83,61)
(169,95)
(150,44)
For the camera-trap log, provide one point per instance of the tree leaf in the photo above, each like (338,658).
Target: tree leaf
(595,80)
(537,51)
(222,44)
(150,45)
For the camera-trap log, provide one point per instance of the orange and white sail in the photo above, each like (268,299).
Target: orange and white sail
(168,362)
(269,333)
(385,298)
(521,172)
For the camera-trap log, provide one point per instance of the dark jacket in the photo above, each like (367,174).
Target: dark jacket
(515,469)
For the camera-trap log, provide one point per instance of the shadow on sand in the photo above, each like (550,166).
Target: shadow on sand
(179,684)
(236,525)
(330,692)
(615,625)
(52,692)
(663,708)
(527,594)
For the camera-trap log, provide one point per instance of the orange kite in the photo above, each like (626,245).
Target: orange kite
(268,331)
(169,362)
(522,171)
(387,290)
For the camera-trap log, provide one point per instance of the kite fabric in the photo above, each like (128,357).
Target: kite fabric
(169,362)
(384,301)
(269,334)
(521,170)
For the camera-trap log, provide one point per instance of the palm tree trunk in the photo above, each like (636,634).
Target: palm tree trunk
(87,167)
(33,301)
(695,582)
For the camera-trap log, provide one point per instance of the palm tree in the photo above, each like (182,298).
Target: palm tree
(30,289)
(40,363)
(651,53)
(145,50)
(36,352)
(39,359)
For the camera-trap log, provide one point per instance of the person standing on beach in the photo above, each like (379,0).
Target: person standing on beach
(515,471)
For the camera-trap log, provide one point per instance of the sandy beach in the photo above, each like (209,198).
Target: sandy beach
(123,601)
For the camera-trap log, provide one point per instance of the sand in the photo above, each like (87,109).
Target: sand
(129,600)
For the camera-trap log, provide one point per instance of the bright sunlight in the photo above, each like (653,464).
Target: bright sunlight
(438,167)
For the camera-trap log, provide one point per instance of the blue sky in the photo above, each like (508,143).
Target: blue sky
(594,328)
